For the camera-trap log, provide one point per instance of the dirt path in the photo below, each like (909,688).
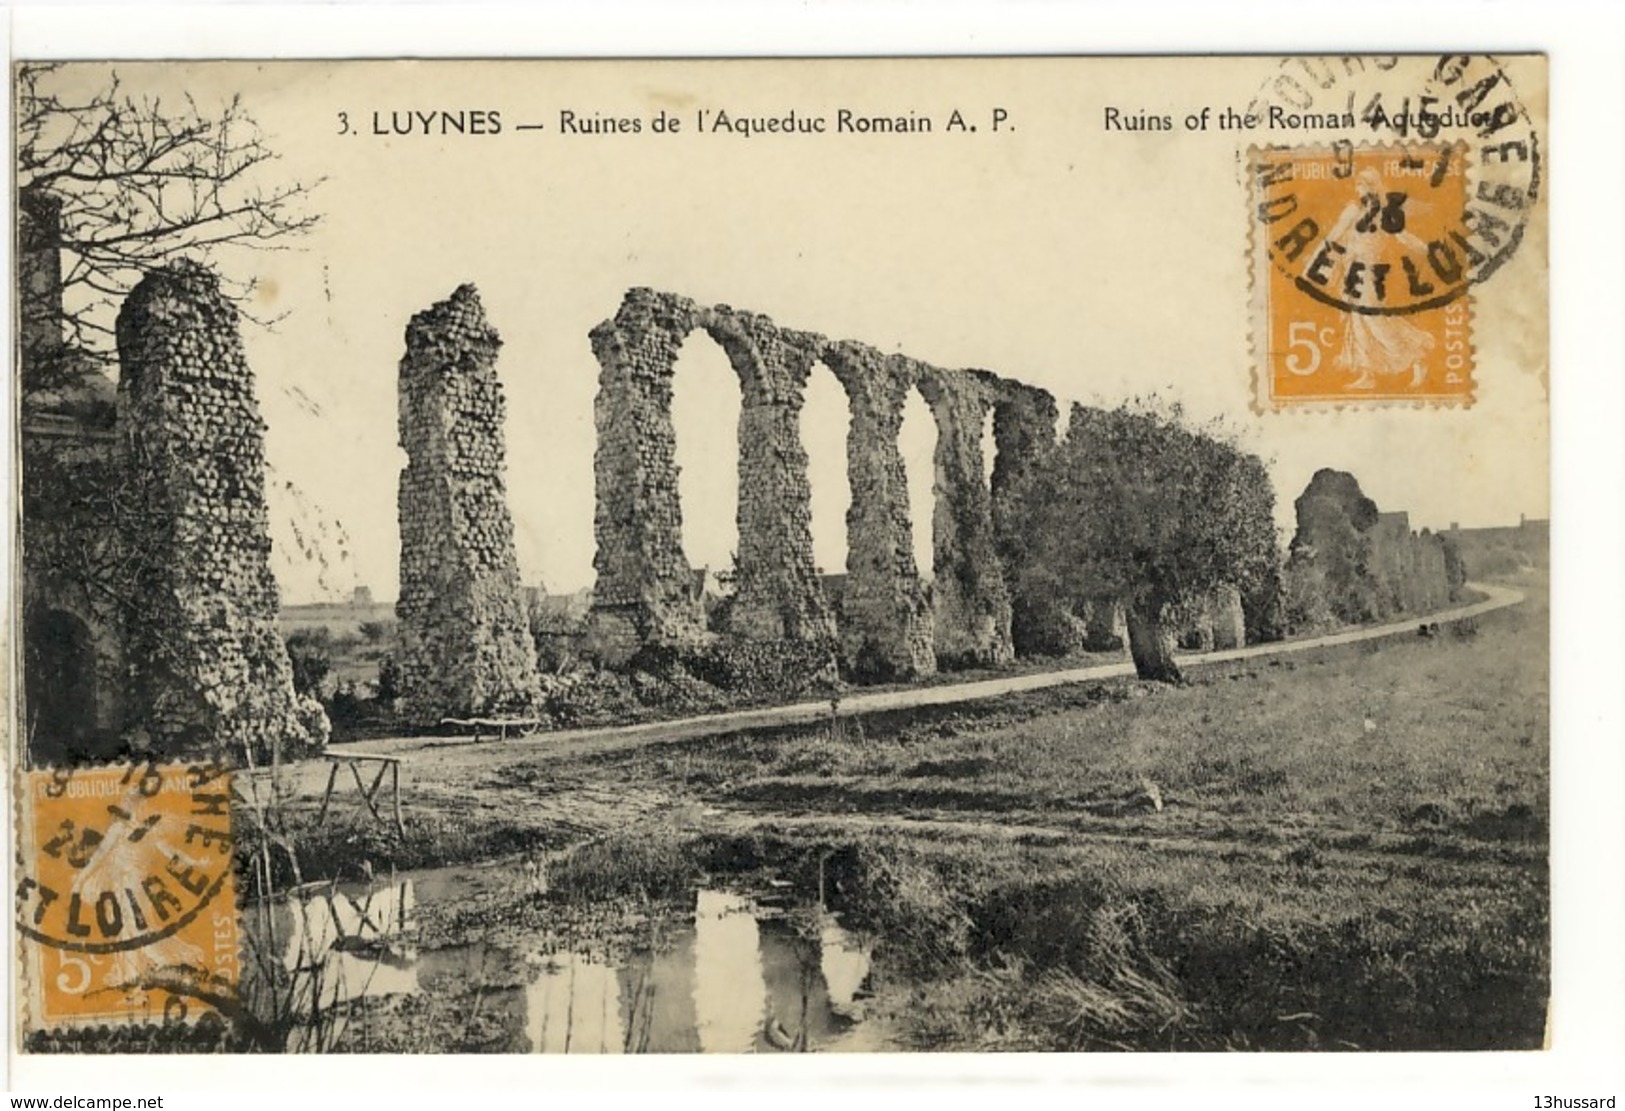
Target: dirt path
(578,742)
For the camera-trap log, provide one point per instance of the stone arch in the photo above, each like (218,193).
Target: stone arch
(886,625)
(891,625)
(645,590)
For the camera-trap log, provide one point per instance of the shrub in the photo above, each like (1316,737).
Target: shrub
(764,669)
(589,697)
(310,651)
(651,867)
(389,679)
(313,722)
(347,709)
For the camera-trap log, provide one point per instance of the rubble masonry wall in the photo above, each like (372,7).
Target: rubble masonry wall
(209,670)
(970,600)
(466,648)
(644,591)
(890,623)
(886,628)
(777,592)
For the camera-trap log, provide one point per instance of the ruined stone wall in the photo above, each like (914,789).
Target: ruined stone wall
(970,599)
(891,624)
(886,628)
(73,595)
(39,278)
(644,591)
(74,592)
(1352,563)
(466,647)
(209,670)
(1410,566)
(777,593)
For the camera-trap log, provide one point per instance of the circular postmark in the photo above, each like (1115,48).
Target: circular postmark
(1391,185)
(122,858)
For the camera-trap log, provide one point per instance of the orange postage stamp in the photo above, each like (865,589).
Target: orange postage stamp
(126,894)
(1369,243)
(1363,271)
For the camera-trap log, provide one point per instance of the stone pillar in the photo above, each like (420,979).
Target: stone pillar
(1024,433)
(466,648)
(645,591)
(777,594)
(39,278)
(210,672)
(970,601)
(886,629)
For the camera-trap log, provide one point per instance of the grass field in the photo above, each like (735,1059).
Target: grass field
(1345,848)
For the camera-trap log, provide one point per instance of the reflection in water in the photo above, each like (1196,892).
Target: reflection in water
(734,980)
(728,987)
(844,962)
(340,946)
(728,983)
(574,1007)
(658,987)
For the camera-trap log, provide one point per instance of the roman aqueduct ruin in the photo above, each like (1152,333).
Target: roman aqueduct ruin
(150,608)
(889,623)
(462,630)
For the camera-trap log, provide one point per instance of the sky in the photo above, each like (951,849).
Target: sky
(1100,265)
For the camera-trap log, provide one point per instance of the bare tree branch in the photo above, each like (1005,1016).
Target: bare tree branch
(142,181)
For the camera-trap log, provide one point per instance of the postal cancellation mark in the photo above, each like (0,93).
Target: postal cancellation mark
(127,889)
(1365,253)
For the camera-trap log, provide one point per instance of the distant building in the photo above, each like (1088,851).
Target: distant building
(361,596)
(572,606)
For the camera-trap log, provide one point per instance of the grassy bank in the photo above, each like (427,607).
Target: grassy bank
(1012,946)
(1341,849)
(1440,739)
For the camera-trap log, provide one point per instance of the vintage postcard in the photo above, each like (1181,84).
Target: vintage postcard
(781,556)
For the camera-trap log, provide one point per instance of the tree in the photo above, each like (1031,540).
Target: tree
(133,182)
(1136,508)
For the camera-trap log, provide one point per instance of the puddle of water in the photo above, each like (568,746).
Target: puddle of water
(336,945)
(737,978)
